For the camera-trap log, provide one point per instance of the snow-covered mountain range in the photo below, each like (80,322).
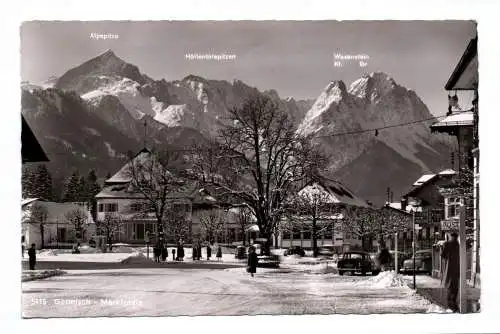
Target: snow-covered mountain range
(114,94)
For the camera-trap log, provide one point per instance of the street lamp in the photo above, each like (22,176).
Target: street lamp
(414,204)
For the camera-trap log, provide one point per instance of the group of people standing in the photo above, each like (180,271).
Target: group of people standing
(160,252)
(198,255)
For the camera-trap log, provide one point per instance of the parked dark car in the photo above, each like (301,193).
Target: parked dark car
(423,262)
(295,251)
(401,258)
(326,251)
(357,262)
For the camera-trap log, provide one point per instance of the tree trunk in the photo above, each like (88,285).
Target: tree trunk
(42,233)
(314,238)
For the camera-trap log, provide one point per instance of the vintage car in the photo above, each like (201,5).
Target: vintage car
(423,262)
(402,256)
(357,262)
(326,251)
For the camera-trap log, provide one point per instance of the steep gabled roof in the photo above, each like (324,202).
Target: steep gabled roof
(468,62)
(417,186)
(123,176)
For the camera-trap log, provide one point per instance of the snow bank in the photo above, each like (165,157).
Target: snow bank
(386,279)
(49,252)
(36,275)
(136,258)
(123,249)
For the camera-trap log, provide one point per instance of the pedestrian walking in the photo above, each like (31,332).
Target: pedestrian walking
(384,258)
(32,256)
(209,252)
(451,269)
(164,254)
(195,250)
(173,255)
(157,253)
(23,245)
(219,253)
(198,252)
(252,261)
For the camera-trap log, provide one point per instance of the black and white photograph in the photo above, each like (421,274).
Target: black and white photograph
(249,167)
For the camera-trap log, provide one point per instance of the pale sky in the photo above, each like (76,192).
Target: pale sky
(295,58)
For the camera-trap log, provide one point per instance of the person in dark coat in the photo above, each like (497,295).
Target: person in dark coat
(194,252)
(164,253)
(252,261)
(219,253)
(451,269)
(181,253)
(209,252)
(157,253)
(173,255)
(198,251)
(384,258)
(32,256)
(23,240)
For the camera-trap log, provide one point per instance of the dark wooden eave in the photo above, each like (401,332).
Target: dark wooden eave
(467,57)
(31,150)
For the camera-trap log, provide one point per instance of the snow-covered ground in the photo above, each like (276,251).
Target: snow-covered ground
(163,292)
(31,275)
(119,253)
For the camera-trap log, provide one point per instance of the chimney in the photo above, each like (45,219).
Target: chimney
(404,203)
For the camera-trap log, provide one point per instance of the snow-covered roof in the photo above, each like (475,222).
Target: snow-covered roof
(26,201)
(252,228)
(123,175)
(56,212)
(423,179)
(447,172)
(464,118)
(409,207)
(333,192)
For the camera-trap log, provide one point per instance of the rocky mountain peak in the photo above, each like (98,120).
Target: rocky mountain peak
(86,76)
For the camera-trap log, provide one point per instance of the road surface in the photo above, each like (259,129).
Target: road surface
(171,291)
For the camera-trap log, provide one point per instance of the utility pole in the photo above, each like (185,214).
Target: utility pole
(413,247)
(463,260)
(145,132)
(396,268)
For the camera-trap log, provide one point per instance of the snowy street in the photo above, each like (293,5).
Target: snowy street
(169,291)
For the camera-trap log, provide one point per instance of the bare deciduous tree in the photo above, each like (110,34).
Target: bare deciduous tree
(212,223)
(39,214)
(109,226)
(154,176)
(259,160)
(176,224)
(78,219)
(313,210)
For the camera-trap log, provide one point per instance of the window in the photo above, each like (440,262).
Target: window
(107,207)
(452,207)
(136,207)
(296,235)
(286,235)
(328,233)
(307,234)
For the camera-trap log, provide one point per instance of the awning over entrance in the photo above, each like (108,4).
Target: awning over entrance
(252,228)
